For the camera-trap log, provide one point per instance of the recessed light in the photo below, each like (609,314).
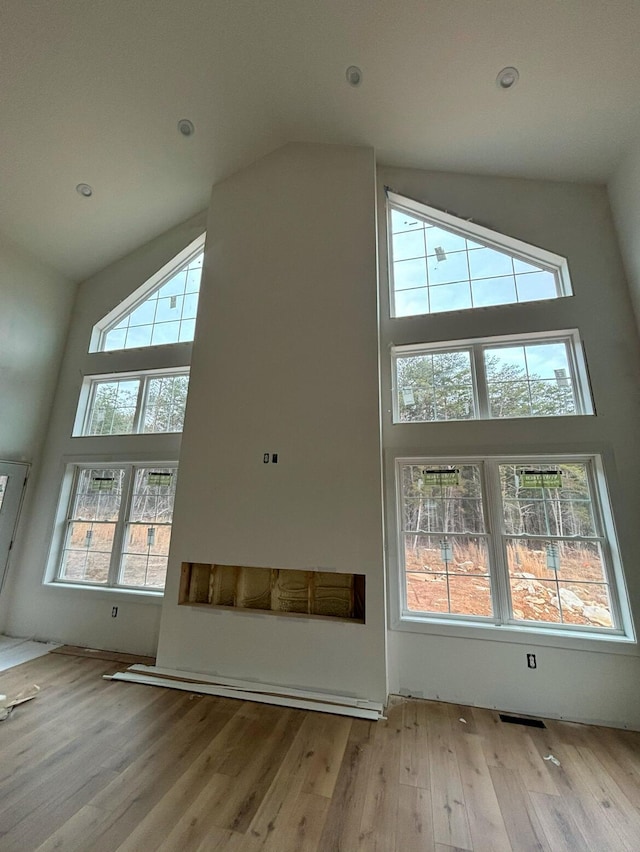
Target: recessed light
(186,127)
(507,78)
(84,189)
(354,75)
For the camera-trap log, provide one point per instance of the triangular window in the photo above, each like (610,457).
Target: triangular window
(161,311)
(439,263)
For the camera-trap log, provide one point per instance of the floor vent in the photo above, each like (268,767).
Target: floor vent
(519,720)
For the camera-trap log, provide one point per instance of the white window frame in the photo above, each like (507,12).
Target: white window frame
(517,249)
(64,520)
(502,621)
(140,295)
(477,347)
(88,393)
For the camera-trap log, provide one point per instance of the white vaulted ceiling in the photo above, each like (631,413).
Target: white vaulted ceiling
(92,90)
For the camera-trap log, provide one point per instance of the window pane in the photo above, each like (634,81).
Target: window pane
(576,593)
(153,495)
(548,559)
(493,291)
(114,339)
(564,510)
(447,575)
(138,336)
(98,494)
(187,330)
(169,309)
(165,404)
(113,408)
(143,564)
(534,379)
(144,314)
(147,571)
(190,306)
(439,240)
(441,498)
(448,268)
(409,244)
(436,386)
(401,221)
(536,285)
(165,332)
(409,273)
(489,263)
(411,302)
(450,297)
(148,533)
(87,554)
(175,286)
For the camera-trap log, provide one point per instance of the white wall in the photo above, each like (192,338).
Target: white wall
(34,317)
(83,616)
(285,360)
(36,305)
(579,680)
(624,192)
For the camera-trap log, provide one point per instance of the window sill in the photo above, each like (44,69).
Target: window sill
(525,635)
(109,593)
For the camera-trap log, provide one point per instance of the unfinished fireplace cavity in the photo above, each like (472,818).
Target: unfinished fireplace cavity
(282,591)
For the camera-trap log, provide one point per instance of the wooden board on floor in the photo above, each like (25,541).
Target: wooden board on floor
(97,654)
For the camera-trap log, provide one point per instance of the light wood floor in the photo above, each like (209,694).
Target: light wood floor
(99,766)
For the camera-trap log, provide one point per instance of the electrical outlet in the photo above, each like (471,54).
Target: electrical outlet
(114,612)
(531,661)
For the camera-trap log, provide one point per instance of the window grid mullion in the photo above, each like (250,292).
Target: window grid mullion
(499,568)
(88,415)
(605,545)
(401,550)
(141,402)
(481,388)
(121,526)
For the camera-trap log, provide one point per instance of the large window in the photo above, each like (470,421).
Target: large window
(162,310)
(439,263)
(508,541)
(540,375)
(118,525)
(122,404)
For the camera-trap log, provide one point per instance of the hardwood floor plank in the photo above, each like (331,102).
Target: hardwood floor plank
(523,826)
(380,812)
(486,825)
(618,760)
(342,826)
(559,826)
(613,807)
(291,776)
(511,747)
(415,820)
(450,823)
(324,765)
(414,753)
(130,798)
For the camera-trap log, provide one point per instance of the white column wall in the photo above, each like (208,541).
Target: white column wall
(624,193)
(285,361)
